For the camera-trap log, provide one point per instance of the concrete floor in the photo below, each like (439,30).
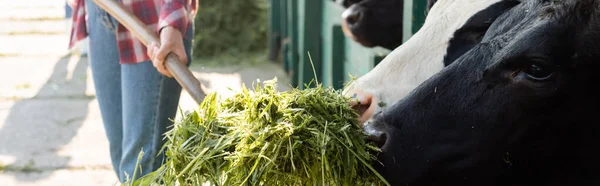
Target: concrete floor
(50,126)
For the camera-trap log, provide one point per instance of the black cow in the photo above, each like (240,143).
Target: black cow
(518,109)
(373,22)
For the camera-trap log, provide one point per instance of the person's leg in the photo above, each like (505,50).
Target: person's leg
(106,74)
(150,101)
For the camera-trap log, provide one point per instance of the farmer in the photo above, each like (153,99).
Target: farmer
(136,94)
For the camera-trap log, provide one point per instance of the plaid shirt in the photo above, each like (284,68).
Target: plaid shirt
(156,14)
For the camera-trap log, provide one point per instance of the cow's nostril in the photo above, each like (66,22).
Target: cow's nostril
(353,18)
(379,139)
(375,135)
(352,15)
(363,106)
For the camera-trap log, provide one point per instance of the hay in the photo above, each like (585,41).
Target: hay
(266,137)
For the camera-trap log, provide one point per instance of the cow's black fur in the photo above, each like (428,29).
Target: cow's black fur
(380,23)
(471,33)
(376,22)
(519,109)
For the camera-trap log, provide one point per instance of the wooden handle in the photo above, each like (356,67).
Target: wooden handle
(181,73)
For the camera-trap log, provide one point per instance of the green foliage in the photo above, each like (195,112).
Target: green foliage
(230,27)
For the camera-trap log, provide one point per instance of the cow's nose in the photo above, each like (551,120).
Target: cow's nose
(352,15)
(363,105)
(375,131)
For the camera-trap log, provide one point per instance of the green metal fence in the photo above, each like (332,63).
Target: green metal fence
(302,27)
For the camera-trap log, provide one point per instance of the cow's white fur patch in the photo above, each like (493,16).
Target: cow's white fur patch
(419,58)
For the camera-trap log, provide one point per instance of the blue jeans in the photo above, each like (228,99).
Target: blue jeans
(136,102)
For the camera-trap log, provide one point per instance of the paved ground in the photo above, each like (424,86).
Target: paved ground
(50,127)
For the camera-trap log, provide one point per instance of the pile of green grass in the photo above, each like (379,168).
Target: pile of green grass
(266,137)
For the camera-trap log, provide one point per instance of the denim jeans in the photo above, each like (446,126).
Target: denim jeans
(136,102)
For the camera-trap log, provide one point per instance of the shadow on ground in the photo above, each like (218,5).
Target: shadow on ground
(36,129)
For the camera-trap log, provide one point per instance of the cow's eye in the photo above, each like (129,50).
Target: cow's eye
(538,72)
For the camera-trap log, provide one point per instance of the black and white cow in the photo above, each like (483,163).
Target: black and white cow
(518,109)
(450,29)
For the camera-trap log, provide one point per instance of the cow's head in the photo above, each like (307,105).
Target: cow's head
(373,22)
(451,28)
(520,108)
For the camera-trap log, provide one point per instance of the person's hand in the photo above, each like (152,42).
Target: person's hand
(171,40)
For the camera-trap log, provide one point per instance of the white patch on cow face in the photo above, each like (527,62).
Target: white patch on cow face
(417,59)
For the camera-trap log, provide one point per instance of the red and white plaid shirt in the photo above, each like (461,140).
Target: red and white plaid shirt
(156,14)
